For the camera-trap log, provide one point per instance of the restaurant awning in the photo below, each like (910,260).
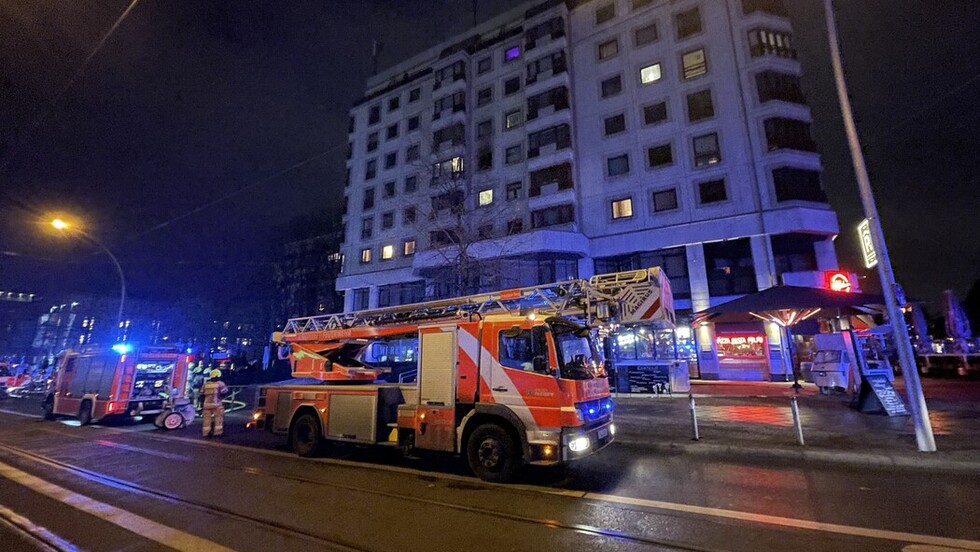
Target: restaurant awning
(788,305)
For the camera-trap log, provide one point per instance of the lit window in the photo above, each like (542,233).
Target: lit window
(409,248)
(694,64)
(512,53)
(514,119)
(486,197)
(622,208)
(366,255)
(387,252)
(650,73)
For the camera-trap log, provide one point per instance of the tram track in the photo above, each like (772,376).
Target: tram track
(337,542)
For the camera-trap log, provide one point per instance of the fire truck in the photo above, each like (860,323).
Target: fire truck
(121,381)
(502,379)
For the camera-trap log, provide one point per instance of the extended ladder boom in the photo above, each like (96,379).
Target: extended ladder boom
(624,297)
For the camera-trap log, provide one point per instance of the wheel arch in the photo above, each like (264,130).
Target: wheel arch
(493,414)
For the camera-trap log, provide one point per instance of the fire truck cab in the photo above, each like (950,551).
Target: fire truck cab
(121,381)
(502,379)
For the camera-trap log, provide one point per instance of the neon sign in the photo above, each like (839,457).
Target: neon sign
(739,340)
(838,281)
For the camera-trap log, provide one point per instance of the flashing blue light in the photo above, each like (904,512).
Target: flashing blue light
(591,412)
(122,348)
(189,350)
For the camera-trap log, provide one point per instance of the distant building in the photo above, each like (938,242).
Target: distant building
(18,320)
(600,136)
(306,283)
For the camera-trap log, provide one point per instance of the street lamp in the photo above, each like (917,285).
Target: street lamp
(65,227)
(906,358)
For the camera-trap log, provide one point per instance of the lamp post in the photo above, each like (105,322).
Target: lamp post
(65,227)
(906,358)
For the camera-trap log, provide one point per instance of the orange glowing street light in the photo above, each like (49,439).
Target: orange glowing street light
(65,227)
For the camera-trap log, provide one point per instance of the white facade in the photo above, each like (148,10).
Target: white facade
(723,222)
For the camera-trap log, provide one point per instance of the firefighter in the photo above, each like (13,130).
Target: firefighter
(214,392)
(196,383)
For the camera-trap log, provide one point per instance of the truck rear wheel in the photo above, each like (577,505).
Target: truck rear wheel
(85,413)
(305,437)
(492,453)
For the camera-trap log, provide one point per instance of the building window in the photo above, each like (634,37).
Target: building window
(484,232)
(448,170)
(512,53)
(484,65)
(622,208)
(391,159)
(775,7)
(706,150)
(361,295)
(650,73)
(554,63)
(400,294)
(389,189)
(456,102)
(688,23)
(414,95)
(559,135)
(408,215)
(611,86)
(412,153)
(694,64)
(370,169)
(608,49)
(659,156)
(413,123)
(552,28)
(485,197)
(408,248)
(513,119)
(449,200)
(712,191)
(779,86)
(368,199)
(452,73)
(367,228)
(387,252)
(514,190)
(366,255)
(605,13)
(730,268)
(765,42)
(637,4)
(782,133)
(484,128)
(388,220)
(700,106)
(484,158)
(515,226)
(797,184)
(665,200)
(552,216)
(374,115)
(442,238)
(393,103)
(512,86)
(455,135)
(514,154)
(655,113)
(411,184)
(558,175)
(615,124)
(618,165)
(673,261)
(794,252)
(372,141)
(484,96)
(391,131)
(647,34)
(556,98)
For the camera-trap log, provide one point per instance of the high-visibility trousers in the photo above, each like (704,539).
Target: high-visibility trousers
(215,414)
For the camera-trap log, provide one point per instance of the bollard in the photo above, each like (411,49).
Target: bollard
(795,407)
(694,417)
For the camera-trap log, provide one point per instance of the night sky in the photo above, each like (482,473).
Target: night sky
(189,102)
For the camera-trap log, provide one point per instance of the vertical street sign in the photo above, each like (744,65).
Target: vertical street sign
(867,244)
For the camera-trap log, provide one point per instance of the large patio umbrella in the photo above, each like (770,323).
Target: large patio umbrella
(957,324)
(787,306)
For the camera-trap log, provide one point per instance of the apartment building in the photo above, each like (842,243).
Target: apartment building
(567,138)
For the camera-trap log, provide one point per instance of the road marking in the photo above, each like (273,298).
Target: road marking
(929,548)
(15,413)
(167,536)
(167,455)
(883,534)
(44,538)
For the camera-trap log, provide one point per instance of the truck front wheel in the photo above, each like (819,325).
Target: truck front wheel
(492,453)
(304,436)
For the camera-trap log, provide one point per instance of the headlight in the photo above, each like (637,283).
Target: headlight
(578,444)
(612,429)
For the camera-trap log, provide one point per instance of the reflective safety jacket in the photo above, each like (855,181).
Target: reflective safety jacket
(214,391)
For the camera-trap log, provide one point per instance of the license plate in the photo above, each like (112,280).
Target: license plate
(603,433)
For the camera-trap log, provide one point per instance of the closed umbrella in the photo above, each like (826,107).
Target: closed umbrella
(957,324)
(921,329)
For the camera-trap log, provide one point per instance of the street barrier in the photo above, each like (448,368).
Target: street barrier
(795,407)
(694,417)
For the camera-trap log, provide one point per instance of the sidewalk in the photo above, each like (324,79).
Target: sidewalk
(754,420)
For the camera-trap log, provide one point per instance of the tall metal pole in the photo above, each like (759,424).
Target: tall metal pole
(122,278)
(906,359)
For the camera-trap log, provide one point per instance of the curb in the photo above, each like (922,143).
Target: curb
(837,457)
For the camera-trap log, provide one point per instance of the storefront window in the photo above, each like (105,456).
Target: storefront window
(741,346)
(643,344)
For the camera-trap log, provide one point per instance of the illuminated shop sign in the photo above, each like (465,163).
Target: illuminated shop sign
(745,346)
(739,340)
(837,281)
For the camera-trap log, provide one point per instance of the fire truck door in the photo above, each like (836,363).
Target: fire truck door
(435,417)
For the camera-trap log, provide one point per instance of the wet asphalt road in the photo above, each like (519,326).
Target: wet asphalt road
(131,487)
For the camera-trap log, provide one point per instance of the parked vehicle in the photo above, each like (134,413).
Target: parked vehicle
(503,378)
(122,381)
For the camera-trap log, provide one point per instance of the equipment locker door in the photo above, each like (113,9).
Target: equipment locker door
(435,417)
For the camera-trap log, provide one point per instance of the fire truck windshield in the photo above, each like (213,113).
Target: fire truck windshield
(577,354)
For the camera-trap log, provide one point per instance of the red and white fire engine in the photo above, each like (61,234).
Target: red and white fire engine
(501,378)
(120,381)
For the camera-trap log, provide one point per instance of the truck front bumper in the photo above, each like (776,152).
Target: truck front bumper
(579,443)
